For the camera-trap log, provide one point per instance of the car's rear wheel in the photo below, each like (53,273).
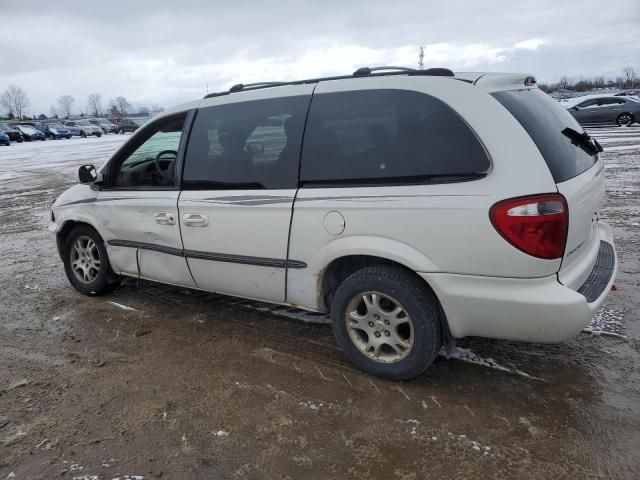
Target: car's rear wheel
(83,134)
(625,119)
(387,321)
(86,262)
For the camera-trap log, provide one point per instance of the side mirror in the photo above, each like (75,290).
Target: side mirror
(255,148)
(87,174)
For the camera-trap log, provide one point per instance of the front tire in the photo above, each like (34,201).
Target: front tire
(387,322)
(82,134)
(86,262)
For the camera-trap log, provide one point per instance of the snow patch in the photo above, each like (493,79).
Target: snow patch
(122,307)
(606,322)
(468,356)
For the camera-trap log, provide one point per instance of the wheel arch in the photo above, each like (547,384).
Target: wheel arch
(66,227)
(342,267)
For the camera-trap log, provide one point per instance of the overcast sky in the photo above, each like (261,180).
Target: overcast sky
(166,52)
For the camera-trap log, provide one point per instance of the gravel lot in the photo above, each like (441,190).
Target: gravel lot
(161,382)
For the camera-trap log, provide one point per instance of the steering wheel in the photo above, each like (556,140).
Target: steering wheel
(164,173)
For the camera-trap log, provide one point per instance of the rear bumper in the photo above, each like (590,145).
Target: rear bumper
(535,310)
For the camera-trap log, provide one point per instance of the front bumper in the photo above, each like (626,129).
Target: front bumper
(534,309)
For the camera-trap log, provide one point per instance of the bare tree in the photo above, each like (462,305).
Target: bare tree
(629,76)
(15,101)
(564,82)
(120,105)
(143,110)
(65,102)
(94,104)
(155,108)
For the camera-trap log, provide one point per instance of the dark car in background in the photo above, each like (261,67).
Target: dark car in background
(12,132)
(128,125)
(105,125)
(30,133)
(4,139)
(53,130)
(605,109)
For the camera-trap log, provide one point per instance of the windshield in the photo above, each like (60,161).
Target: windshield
(27,129)
(85,123)
(54,125)
(545,120)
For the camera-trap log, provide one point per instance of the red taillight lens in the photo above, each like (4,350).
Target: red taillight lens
(535,224)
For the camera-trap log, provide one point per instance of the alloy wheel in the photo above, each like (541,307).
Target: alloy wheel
(85,259)
(379,327)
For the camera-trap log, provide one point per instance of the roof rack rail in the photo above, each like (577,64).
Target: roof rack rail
(369,70)
(241,86)
(359,73)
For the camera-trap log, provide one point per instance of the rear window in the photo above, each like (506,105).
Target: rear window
(544,119)
(389,137)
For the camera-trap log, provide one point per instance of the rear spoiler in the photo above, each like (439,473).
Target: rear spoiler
(496,82)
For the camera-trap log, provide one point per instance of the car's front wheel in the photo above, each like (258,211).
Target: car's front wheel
(86,263)
(387,321)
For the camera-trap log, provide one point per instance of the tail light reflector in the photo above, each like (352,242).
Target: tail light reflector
(535,224)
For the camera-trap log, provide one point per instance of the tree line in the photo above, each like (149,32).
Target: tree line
(627,80)
(15,103)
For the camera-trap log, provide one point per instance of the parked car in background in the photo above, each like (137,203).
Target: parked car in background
(30,133)
(605,109)
(359,204)
(4,139)
(53,130)
(128,125)
(84,128)
(14,134)
(629,93)
(105,125)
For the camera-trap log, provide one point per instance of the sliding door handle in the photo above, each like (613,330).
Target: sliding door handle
(195,220)
(164,218)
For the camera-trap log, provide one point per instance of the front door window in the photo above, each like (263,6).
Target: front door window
(151,161)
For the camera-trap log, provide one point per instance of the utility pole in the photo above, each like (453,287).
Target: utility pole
(421,58)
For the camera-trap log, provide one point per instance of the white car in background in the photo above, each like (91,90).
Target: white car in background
(421,207)
(83,128)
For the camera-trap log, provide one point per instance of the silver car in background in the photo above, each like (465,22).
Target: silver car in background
(84,128)
(605,109)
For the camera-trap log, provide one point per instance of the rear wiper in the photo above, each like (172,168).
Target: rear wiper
(583,140)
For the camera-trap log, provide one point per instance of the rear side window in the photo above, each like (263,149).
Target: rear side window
(251,145)
(387,136)
(544,119)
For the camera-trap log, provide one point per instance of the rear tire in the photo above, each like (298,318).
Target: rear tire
(86,262)
(625,119)
(387,322)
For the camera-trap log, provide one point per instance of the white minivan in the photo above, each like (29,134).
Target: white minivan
(414,206)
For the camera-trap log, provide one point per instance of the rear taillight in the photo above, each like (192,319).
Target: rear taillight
(535,224)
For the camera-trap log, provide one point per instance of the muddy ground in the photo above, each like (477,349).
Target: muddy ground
(162,382)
